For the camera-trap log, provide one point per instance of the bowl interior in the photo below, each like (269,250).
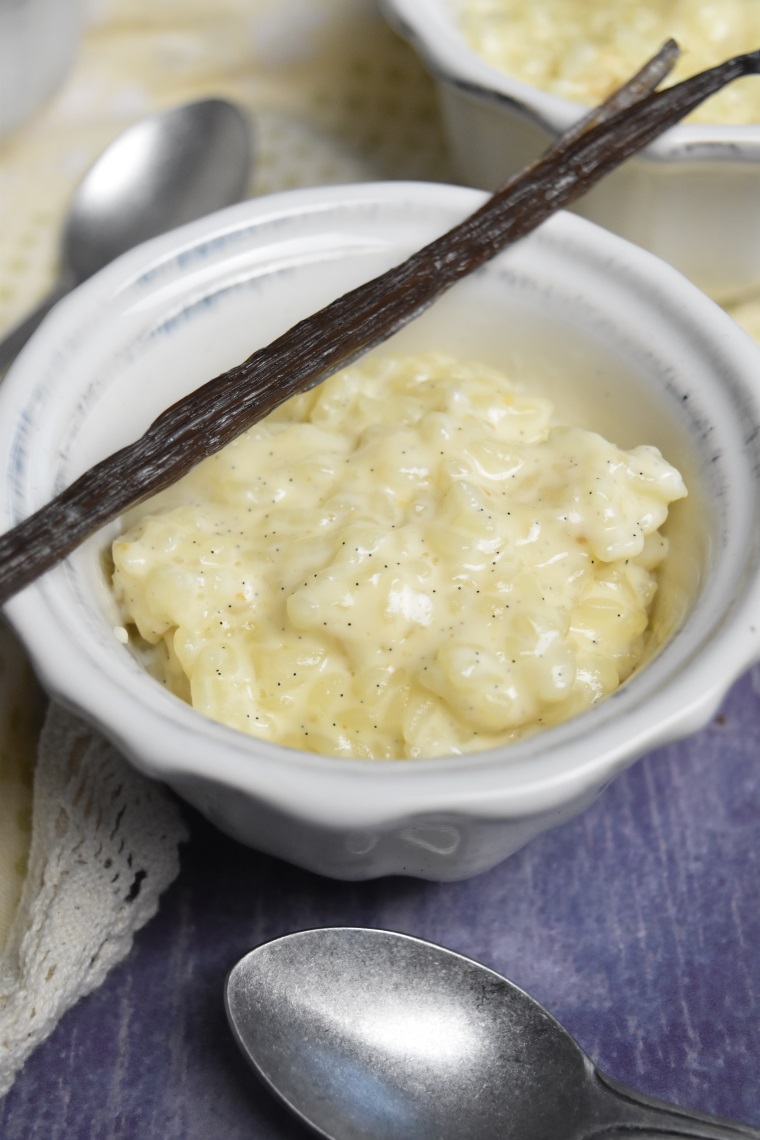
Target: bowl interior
(618,340)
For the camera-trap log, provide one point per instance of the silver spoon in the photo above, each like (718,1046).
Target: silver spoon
(374,1035)
(170,168)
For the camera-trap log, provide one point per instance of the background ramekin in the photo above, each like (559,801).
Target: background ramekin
(691,197)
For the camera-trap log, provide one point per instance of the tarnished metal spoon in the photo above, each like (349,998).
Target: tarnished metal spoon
(375,1035)
(167,169)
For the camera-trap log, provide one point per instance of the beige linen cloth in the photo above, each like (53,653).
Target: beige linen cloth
(87,844)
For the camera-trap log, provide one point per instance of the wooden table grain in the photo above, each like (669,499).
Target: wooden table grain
(637,924)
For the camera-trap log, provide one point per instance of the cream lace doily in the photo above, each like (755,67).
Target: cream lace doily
(103,847)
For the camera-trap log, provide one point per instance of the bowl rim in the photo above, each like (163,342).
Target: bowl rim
(450,59)
(538,777)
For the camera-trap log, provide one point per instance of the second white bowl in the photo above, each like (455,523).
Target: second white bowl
(690,197)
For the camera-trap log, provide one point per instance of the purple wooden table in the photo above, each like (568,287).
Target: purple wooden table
(637,925)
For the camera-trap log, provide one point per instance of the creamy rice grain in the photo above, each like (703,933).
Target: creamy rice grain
(410,560)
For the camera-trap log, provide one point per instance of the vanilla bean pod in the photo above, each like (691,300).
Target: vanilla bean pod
(218,411)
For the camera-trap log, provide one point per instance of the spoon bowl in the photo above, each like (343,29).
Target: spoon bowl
(377,1035)
(165,170)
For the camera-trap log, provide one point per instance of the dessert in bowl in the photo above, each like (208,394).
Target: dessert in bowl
(619,342)
(690,196)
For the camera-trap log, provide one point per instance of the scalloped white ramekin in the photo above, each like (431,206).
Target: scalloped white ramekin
(619,339)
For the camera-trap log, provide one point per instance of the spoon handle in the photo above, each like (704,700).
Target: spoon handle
(619,1108)
(14,341)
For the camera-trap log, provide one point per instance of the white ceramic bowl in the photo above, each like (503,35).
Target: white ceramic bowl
(618,338)
(691,196)
(39,40)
